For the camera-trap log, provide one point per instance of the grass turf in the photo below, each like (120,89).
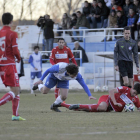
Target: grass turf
(43,124)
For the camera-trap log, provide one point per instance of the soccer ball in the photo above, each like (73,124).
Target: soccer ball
(97,89)
(129,107)
(105,88)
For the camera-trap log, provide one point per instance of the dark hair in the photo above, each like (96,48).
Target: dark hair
(7,18)
(74,15)
(36,47)
(126,28)
(72,69)
(61,39)
(137,87)
(78,12)
(86,1)
(119,11)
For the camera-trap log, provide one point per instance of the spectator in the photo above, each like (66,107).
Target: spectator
(126,7)
(120,2)
(136,5)
(65,23)
(94,12)
(116,7)
(73,23)
(104,14)
(112,23)
(112,3)
(77,54)
(131,21)
(86,8)
(138,45)
(82,23)
(138,25)
(48,34)
(73,20)
(121,21)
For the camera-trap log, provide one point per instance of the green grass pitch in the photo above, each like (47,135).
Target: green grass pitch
(43,124)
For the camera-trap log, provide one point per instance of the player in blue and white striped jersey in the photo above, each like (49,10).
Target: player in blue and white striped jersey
(35,60)
(60,74)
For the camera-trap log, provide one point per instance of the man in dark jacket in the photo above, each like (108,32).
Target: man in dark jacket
(104,14)
(82,23)
(126,7)
(77,54)
(48,34)
(131,21)
(86,8)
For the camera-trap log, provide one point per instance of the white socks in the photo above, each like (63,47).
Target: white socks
(31,84)
(58,100)
(40,86)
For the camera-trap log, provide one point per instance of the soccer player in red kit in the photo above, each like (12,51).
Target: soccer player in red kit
(8,53)
(116,100)
(61,53)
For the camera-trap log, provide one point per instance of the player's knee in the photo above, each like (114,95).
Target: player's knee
(126,83)
(102,108)
(64,97)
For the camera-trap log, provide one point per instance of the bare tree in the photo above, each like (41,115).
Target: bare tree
(22,10)
(30,8)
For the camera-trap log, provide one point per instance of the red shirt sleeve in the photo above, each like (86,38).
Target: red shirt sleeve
(15,46)
(71,56)
(121,89)
(52,57)
(137,103)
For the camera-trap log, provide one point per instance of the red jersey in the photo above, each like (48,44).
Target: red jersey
(8,46)
(124,97)
(61,55)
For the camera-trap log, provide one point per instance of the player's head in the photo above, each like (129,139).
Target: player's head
(61,43)
(126,32)
(72,70)
(36,49)
(7,18)
(136,89)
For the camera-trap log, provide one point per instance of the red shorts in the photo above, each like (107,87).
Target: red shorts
(10,76)
(104,98)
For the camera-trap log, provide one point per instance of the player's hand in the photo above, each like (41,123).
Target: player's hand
(38,82)
(116,68)
(36,69)
(138,70)
(91,97)
(118,104)
(17,61)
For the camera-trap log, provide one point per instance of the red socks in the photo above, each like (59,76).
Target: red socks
(57,91)
(15,105)
(65,105)
(89,107)
(6,98)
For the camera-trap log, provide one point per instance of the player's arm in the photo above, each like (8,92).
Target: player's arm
(136,56)
(31,61)
(41,62)
(112,96)
(15,47)
(83,84)
(53,69)
(71,56)
(137,103)
(116,56)
(52,58)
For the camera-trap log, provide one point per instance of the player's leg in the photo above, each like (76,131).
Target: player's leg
(130,74)
(57,92)
(11,79)
(123,71)
(101,106)
(64,86)
(33,74)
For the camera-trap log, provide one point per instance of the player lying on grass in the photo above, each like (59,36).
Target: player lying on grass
(116,100)
(59,75)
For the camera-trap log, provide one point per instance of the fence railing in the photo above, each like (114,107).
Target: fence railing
(26,54)
(84,36)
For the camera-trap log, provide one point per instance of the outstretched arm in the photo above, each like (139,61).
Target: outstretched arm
(85,87)
(53,69)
